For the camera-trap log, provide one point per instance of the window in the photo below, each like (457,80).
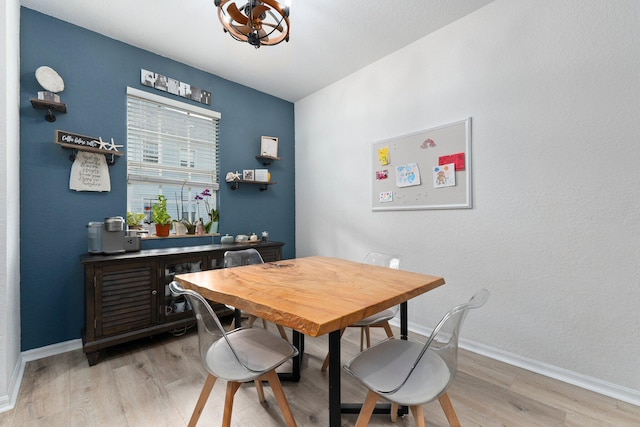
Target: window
(172,149)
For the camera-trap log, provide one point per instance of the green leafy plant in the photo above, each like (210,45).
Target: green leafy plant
(215,215)
(135,219)
(160,214)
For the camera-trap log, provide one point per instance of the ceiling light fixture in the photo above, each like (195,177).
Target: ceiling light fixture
(257,22)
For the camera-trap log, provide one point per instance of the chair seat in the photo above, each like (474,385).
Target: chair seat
(384,366)
(262,351)
(382,316)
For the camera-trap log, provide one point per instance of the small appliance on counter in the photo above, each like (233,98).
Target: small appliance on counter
(107,237)
(94,231)
(113,235)
(132,241)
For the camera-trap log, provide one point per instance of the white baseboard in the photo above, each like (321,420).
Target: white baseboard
(8,402)
(51,350)
(583,381)
(596,385)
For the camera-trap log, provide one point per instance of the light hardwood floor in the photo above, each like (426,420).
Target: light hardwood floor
(156,382)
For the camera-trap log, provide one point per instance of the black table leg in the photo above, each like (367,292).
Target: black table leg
(334,379)
(404,322)
(294,375)
(404,334)
(298,342)
(237,317)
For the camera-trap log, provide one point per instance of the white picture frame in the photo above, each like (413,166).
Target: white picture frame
(248,175)
(269,146)
(262,175)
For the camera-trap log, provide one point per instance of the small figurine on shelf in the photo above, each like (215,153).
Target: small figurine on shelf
(265,236)
(233,176)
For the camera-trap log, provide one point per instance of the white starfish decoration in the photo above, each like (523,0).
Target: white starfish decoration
(103,144)
(113,146)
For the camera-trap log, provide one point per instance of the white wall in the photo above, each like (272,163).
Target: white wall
(553,89)
(9,203)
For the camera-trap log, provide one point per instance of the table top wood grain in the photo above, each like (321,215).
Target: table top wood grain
(313,295)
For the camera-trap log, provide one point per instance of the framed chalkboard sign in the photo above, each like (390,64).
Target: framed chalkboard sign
(430,169)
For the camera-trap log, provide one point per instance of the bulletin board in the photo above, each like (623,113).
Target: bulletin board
(430,169)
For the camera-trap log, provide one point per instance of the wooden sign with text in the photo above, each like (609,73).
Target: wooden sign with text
(86,143)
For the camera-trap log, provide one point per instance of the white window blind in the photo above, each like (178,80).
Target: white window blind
(172,149)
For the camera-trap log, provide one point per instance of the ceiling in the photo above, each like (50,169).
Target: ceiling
(329,39)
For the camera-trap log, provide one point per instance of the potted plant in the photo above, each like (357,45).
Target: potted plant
(185,223)
(211,227)
(134,220)
(161,217)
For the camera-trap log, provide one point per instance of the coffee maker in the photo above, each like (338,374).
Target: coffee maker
(113,235)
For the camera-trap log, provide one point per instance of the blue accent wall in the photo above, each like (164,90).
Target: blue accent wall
(96,71)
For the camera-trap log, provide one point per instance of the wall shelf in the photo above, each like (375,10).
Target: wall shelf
(41,104)
(266,160)
(76,147)
(263,184)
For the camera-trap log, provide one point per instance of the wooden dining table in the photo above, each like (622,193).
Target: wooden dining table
(314,296)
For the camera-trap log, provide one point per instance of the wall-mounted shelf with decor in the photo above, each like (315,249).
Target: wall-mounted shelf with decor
(91,149)
(263,184)
(266,160)
(86,143)
(42,104)
(269,150)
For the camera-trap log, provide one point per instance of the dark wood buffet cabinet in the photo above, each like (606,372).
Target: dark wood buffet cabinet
(128,297)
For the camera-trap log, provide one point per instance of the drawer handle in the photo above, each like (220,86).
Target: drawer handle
(154,292)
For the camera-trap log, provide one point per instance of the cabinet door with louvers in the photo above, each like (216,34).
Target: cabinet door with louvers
(126,298)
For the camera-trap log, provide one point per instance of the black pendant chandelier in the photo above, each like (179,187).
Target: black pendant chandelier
(257,22)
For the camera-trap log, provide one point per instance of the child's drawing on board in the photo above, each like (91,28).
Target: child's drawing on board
(444,176)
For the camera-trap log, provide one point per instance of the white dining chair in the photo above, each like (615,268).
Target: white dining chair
(380,319)
(248,257)
(237,356)
(410,373)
